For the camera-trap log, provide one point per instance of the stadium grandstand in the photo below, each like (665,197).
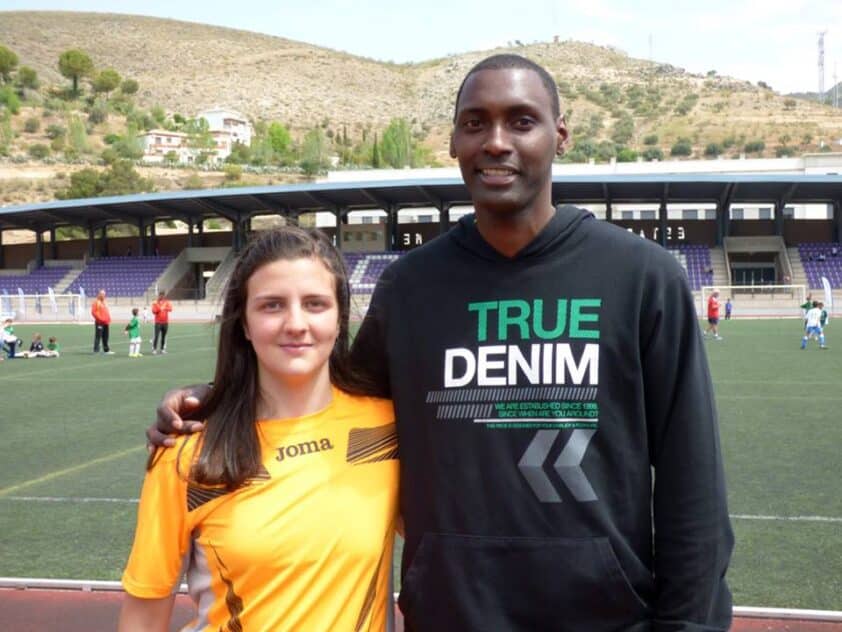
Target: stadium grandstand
(765,232)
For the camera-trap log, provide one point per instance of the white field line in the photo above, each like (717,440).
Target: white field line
(89,499)
(76,367)
(89,585)
(787,518)
(7,491)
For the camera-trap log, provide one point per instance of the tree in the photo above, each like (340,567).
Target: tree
(106,81)
(75,64)
(397,145)
(119,179)
(28,78)
(8,62)
(314,152)
(713,150)
(129,87)
(375,154)
(279,138)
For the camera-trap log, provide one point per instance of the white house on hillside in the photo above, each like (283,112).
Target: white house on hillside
(226,126)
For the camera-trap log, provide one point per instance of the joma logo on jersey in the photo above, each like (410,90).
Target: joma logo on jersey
(300,449)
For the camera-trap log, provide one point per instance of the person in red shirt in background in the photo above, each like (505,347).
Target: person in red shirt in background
(161,308)
(102,321)
(713,315)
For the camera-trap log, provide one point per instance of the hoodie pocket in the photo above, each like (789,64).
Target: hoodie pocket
(466,583)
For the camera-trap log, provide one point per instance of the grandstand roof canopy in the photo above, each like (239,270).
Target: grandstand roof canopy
(241,203)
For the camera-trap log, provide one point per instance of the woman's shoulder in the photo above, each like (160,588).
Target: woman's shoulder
(377,409)
(182,454)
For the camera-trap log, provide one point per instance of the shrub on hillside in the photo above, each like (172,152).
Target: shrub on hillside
(9,100)
(38,151)
(28,78)
(712,150)
(55,131)
(754,147)
(652,153)
(233,173)
(651,139)
(32,125)
(682,147)
(626,154)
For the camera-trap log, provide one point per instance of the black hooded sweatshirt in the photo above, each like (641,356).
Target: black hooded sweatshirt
(560,460)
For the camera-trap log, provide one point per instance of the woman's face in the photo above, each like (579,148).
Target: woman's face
(292,320)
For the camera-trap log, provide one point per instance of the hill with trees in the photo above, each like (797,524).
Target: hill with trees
(76,90)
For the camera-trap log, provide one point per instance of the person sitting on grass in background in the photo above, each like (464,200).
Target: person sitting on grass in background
(133,331)
(52,350)
(286,504)
(36,348)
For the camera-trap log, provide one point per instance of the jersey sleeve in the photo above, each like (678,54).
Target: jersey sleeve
(162,536)
(693,539)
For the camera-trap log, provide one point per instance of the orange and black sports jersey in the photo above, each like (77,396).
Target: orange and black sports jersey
(307,545)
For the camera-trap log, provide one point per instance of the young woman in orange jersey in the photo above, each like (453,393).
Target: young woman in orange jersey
(283,509)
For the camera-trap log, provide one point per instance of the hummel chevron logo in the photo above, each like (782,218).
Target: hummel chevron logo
(567,465)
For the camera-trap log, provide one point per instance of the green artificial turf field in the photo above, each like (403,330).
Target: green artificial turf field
(72,454)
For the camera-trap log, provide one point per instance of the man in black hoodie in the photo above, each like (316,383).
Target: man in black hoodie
(560,460)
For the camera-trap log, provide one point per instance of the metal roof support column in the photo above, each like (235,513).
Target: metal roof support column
(200,229)
(341,218)
(2,255)
(444,218)
(662,223)
(153,239)
(189,232)
(39,248)
(392,213)
(91,241)
(609,210)
(836,207)
(721,220)
(103,241)
(141,237)
(779,217)
(53,244)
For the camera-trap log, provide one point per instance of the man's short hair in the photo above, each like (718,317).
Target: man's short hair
(506,61)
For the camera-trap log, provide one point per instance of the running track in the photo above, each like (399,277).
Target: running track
(37,610)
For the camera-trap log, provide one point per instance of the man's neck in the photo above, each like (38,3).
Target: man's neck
(509,233)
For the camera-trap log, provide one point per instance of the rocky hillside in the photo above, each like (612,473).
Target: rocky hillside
(184,67)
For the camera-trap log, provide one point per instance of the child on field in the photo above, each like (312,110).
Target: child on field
(52,350)
(8,340)
(133,331)
(36,348)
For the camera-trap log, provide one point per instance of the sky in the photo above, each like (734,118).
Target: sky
(758,40)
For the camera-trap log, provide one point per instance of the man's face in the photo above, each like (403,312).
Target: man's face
(505,137)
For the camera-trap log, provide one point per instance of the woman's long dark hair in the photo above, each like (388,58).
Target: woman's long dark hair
(230,448)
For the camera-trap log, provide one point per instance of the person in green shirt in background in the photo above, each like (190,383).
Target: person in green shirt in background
(52,347)
(133,331)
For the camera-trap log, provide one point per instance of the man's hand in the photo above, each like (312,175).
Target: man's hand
(173,414)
